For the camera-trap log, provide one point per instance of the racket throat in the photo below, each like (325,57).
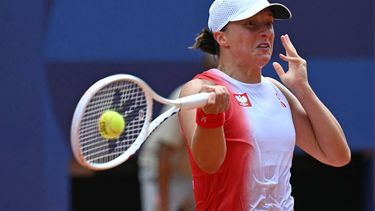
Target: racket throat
(160,119)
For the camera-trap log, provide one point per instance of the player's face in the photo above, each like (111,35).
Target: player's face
(251,40)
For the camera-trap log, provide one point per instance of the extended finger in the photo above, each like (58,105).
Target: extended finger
(288,45)
(278,69)
(289,58)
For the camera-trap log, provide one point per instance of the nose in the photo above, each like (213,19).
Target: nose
(266,31)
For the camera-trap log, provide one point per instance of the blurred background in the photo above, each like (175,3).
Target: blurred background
(51,51)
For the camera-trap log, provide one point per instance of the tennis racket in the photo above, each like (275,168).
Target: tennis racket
(133,99)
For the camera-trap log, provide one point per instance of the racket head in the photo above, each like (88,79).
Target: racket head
(129,96)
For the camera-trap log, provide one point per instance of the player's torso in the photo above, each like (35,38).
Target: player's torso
(259,117)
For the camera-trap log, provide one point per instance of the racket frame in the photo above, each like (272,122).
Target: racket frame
(148,127)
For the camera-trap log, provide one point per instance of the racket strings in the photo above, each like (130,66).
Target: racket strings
(124,97)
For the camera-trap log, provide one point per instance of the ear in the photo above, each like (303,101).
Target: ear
(221,39)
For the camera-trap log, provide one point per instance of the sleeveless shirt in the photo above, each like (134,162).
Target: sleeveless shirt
(260,139)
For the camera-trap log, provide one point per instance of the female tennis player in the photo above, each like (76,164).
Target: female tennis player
(241,143)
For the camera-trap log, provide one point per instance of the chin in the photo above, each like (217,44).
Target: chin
(263,61)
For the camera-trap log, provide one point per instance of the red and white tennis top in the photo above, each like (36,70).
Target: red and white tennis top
(260,139)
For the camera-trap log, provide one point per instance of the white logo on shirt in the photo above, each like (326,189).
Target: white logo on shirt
(243,99)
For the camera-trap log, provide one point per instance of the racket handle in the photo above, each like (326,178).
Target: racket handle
(193,101)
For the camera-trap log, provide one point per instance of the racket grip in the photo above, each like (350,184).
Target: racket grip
(194,101)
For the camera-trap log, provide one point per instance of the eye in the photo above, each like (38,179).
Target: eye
(270,25)
(251,25)
(257,25)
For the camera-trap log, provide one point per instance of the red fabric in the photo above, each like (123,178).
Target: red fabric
(209,120)
(227,189)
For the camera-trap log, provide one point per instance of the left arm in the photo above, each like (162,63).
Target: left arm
(317,131)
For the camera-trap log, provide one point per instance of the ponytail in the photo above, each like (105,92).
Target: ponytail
(206,42)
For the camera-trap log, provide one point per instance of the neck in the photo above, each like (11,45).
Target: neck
(244,74)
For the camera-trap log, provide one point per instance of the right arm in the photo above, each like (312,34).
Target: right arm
(207,145)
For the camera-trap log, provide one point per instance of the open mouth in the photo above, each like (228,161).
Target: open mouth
(264,46)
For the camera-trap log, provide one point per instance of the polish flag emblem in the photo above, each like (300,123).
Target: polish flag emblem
(243,99)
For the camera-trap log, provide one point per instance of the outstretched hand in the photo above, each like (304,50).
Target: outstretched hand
(296,75)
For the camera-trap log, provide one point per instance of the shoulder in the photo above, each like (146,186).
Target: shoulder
(280,86)
(292,99)
(287,93)
(275,82)
(194,86)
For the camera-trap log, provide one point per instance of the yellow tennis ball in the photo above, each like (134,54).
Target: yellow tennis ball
(111,124)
